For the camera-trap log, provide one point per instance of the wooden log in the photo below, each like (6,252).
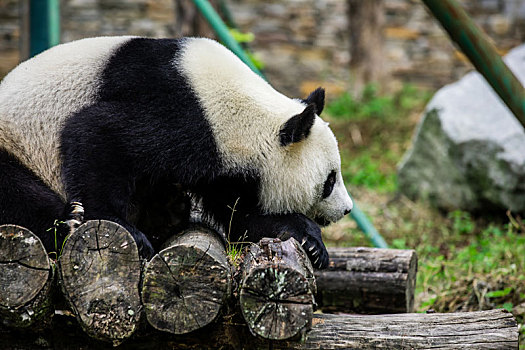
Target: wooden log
(368,280)
(493,329)
(26,279)
(187,283)
(277,289)
(100,275)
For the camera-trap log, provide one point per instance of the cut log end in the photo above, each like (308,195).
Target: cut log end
(100,275)
(186,284)
(26,277)
(276,295)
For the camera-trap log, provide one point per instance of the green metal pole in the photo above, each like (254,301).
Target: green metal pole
(366,226)
(44,25)
(481,52)
(223,33)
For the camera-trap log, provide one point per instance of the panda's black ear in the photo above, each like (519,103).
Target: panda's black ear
(317,98)
(298,127)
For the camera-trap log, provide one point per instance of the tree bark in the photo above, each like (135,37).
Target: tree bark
(493,329)
(365,24)
(368,280)
(189,22)
(277,289)
(187,283)
(100,273)
(26,279)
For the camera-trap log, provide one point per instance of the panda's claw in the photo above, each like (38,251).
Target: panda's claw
(303,242)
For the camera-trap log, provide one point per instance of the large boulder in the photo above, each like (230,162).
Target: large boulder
(469,149)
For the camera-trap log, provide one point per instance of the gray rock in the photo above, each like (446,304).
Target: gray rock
(469,149)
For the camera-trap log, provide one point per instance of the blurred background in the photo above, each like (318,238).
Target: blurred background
(456,198)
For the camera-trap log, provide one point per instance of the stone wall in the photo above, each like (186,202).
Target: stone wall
(310,39)
(9,35)
(304,43)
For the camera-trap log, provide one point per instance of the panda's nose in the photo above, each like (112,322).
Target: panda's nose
(347,211)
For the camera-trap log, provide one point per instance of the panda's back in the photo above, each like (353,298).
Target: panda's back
(41,93)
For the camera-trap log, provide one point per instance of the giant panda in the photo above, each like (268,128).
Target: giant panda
(116,123)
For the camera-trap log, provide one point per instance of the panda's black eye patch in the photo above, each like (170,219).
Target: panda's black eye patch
(329,184)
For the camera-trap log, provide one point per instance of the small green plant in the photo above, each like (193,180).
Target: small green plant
(245,38)
(57,253)
(234,249)
(462,222)
(241,37)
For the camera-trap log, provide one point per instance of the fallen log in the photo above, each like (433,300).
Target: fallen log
(26,279)
(100,272)
(277,289)
(368,280)
(493,329)
(187,283)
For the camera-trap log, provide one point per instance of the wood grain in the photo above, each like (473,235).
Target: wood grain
(186,284)
(26,278)
(100,273)
(277,289)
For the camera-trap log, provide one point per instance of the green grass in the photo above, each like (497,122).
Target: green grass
(466,262)
(363,125)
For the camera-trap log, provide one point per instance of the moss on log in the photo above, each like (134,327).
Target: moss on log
(187,283)
(26,279)
(100,273)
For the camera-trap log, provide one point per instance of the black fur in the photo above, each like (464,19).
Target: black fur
(317,98)
(26,201)
(146,127)
(133,154)
(298,127)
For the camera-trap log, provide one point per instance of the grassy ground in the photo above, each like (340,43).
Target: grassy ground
(465,262)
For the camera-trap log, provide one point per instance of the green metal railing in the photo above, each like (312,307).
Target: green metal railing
(44,25)
(481,52)
(224,35)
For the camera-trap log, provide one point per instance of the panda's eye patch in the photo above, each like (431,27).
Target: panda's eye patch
(329,184)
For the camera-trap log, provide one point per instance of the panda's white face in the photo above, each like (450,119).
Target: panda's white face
(306,178)
(247,117)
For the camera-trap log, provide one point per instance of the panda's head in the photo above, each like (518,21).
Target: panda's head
(260,131)
(304,176)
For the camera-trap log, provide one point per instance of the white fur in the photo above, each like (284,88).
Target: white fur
(246,114)
(38,96)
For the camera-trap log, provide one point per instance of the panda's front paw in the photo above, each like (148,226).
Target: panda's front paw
(316,251)
(308,234)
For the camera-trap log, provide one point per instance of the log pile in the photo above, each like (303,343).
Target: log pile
(190,294)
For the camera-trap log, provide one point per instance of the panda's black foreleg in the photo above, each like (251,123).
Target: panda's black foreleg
(253,227)
(26,201)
